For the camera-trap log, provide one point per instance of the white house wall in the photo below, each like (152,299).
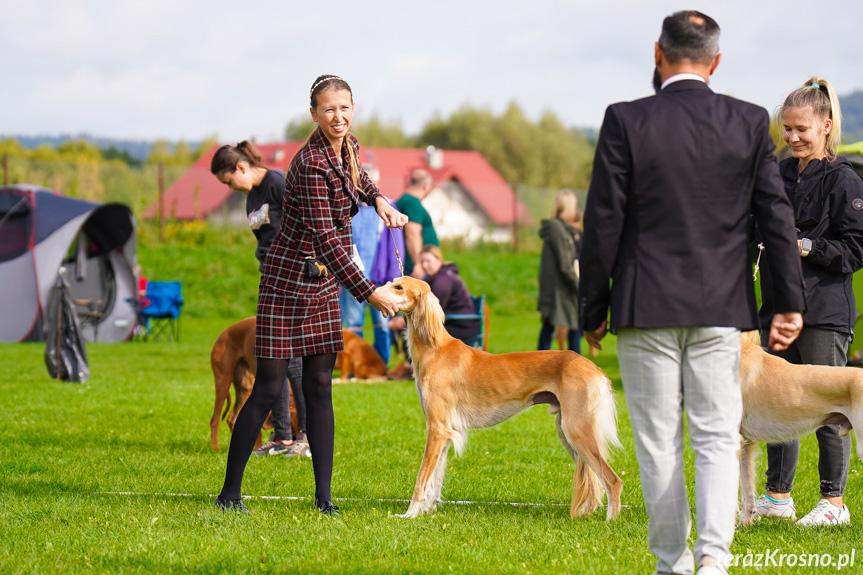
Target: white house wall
(455,214)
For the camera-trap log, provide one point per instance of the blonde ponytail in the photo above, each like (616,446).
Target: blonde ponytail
(819,96)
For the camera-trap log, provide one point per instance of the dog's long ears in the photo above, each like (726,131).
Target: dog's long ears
(427,319)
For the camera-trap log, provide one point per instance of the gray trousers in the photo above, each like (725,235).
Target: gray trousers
(814,346)
(282,408)
(663,369)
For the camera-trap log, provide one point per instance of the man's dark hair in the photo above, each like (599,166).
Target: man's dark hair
(689,35)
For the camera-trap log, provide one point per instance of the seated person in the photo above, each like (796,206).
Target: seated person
(449,288)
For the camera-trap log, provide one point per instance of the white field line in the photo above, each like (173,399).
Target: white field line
(294,498)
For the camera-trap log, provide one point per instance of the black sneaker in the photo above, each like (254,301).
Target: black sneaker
(327,508)
(231,505)
(274,448)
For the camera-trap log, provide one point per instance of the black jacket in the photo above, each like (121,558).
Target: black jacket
(828,209)
(675,179)
(265,222)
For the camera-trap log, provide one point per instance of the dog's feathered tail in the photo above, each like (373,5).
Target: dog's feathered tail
(587,488)
(752,336)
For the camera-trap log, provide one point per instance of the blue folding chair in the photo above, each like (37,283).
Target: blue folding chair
(162,317)
(479,341)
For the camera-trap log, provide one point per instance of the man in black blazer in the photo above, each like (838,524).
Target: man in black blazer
(677,178)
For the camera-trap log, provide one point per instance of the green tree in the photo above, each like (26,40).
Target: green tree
(205,145)
(376,132)
(299,129)
(124,156)
(182,154)
(539,154)
(160,153)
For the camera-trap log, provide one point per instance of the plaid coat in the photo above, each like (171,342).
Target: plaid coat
(298,315)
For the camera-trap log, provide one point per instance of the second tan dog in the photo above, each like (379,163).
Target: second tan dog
(359,359)
(463,388)
(233,362)
(783,401)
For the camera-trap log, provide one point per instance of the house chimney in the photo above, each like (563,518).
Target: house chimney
(434,158)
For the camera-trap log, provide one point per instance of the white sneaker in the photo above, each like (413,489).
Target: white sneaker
(766,508)
(825,513)
(710,570)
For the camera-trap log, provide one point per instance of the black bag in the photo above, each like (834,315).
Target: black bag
(65,355)
(315,269)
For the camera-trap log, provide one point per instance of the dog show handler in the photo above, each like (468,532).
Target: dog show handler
(676,178)
(828,215)
(242,168)
(298,300)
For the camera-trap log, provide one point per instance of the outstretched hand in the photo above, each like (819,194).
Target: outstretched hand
(384,301)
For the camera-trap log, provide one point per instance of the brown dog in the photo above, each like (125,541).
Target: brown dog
(233,362)
(783,401)
(463,388)
(360,360)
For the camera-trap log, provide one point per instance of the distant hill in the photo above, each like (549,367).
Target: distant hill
(852,117)
(138,149)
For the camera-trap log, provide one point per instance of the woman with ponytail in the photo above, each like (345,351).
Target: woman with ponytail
(242,168)
(828,207)
(298,299)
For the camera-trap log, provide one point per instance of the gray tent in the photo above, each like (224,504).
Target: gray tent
(40,231)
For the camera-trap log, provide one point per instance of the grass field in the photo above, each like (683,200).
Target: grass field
(116,475)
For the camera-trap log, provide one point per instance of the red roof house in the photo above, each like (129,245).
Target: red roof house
(469,200)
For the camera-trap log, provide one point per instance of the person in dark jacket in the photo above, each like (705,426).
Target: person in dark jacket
(828,211)
(676,178)
(242,168)
(558,280)
(448,287)
(298,299)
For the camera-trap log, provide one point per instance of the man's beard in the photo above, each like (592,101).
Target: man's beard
(657,80)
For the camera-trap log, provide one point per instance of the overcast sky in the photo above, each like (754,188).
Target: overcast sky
(189,69)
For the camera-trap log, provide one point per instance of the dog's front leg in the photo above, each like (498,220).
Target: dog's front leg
(423,498)
(433,490)
(748,452)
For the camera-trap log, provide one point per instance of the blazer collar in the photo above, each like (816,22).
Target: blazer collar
(686,85)
(320,141)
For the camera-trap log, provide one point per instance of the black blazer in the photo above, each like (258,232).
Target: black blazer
(676,177)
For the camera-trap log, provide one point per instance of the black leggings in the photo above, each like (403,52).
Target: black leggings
(318,395)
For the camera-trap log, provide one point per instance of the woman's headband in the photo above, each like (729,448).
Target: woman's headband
(319,82)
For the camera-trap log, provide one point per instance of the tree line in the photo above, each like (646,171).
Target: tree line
(543,153)
(80,169)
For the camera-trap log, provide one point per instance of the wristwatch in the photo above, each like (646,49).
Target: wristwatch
(805,247)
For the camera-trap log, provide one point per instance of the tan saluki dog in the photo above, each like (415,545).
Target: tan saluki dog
(783,401)
(463,388)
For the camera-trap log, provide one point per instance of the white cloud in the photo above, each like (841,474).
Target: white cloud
(189,69)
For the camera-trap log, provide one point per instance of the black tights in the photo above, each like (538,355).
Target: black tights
(318,395)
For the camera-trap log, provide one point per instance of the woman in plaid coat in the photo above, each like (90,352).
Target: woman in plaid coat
(298,315)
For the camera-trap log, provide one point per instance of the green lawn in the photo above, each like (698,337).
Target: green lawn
(116,475)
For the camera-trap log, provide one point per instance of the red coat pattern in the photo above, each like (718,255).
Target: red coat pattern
(298,315)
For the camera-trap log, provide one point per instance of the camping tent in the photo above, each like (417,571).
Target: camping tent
(40,231)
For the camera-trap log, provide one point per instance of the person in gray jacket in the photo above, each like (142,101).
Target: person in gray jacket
(558,281)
